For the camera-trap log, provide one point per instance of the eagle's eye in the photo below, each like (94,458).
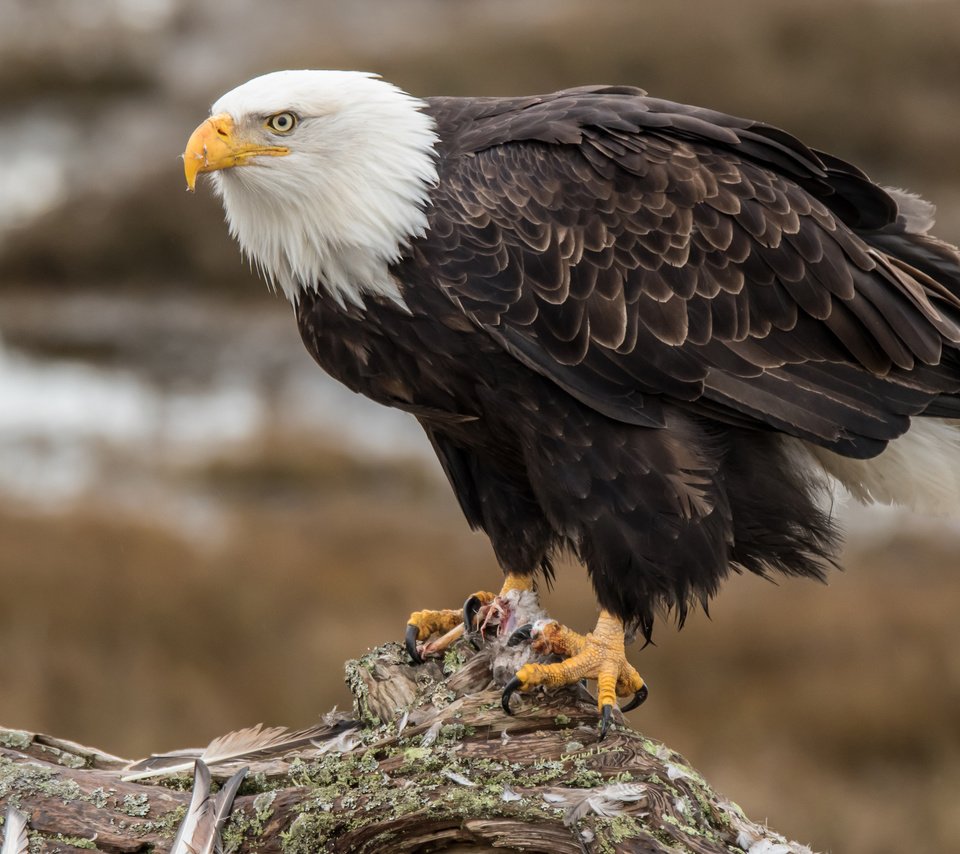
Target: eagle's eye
(282,122)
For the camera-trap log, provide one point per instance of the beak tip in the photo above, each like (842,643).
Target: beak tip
(192,165)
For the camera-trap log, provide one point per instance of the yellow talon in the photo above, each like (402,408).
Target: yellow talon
(552,637)
(598,655)
(434,622)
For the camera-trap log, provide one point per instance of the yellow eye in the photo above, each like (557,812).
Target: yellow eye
(282,122)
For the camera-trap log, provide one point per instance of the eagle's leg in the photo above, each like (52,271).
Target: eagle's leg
(450,623)
(598,655)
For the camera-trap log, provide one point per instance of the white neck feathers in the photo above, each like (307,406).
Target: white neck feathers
(342,206)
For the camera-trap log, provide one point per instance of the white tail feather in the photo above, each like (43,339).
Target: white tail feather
(920,470)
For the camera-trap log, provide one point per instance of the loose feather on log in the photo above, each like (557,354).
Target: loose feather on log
(609,801)
(199,832)
(253,742)
(15,839)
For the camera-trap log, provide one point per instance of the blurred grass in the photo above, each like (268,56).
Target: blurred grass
(830,710)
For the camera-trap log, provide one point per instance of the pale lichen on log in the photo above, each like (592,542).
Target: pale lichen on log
(433,764)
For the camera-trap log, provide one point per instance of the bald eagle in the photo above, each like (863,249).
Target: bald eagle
(633,330)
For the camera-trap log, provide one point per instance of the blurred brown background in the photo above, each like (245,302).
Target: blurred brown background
(197,527)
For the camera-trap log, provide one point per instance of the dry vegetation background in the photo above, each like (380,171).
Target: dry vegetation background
(164,584)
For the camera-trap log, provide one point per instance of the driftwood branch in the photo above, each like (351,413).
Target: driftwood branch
(427,762)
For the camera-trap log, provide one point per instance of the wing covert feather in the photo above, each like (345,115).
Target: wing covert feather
(678,255)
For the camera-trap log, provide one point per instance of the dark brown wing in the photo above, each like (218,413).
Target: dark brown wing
(634,250)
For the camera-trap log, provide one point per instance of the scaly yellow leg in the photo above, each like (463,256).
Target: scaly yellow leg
(598,655)
(450,623)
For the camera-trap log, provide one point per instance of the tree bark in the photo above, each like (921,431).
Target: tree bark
(431,763)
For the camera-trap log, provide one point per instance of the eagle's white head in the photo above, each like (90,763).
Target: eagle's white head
(324,176)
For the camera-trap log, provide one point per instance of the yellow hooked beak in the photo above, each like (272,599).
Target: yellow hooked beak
(216,145)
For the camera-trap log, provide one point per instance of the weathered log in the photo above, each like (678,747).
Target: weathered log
(431,764)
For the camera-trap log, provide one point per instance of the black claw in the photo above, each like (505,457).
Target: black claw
(512,685)
(524,633)
(410,640)
(605,716)
(637,700)
(470,610)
